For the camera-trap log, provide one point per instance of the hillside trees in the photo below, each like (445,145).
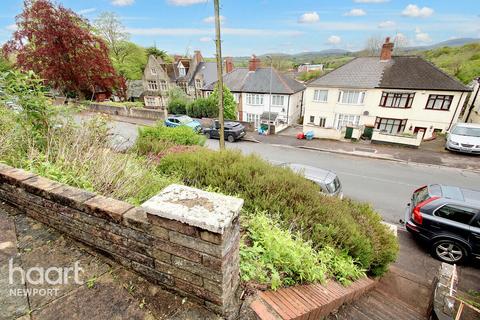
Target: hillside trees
(59,46)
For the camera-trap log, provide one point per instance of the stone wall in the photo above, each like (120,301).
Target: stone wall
(443,303)
(184,239)
(143,113)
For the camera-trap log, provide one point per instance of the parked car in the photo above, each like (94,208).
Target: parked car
(327,180)
(464,137)
(182,120)
(233,131)
(447,219)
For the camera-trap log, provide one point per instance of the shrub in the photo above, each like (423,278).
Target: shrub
(202,108)
(177,106)
(229,104)
(276,257)
(344,225)
(160,138)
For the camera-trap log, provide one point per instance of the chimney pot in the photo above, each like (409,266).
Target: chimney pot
(254,63)
(387,49)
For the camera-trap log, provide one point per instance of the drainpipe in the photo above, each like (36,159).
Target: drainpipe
(473,102)
(288,108)
(458,105)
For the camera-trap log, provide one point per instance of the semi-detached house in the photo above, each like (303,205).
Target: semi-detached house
(397,95)
(252,88)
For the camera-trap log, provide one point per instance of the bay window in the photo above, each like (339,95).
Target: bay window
(392,126)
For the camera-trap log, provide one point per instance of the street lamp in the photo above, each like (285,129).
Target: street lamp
(270,93)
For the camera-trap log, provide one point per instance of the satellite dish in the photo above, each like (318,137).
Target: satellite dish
(366,113)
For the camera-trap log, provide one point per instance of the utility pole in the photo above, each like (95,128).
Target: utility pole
(219,74)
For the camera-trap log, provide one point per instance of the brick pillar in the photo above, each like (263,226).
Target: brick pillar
(204,231)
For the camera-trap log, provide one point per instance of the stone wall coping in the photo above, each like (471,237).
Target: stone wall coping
(206,210)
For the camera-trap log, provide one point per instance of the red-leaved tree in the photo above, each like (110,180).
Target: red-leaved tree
(60,47)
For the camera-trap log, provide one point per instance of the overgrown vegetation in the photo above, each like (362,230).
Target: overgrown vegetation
(325,221)
(275,257)
(128,104)
(461,62)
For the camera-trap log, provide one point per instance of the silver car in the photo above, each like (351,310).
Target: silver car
(327,180)
(464,137)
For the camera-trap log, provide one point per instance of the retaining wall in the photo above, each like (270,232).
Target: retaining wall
(184,239)
(128,112)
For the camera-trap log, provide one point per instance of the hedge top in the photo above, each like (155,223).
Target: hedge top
(210,211)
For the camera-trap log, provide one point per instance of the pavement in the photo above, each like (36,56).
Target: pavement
(105,290)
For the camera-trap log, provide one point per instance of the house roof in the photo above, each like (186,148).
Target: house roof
(134,88)
(402,72)
(208,70)
(243,80)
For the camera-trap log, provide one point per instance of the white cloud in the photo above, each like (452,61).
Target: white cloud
(370,1)
(334,40)
(122,3)
(309,17)
(211,19)
(414,11)
(87,11)
(184,3)
(422,36)
(355,13)
(210,32)
(387,24)
(205,39)
(11,27)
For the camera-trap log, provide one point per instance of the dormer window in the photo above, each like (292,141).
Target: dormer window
(181,70)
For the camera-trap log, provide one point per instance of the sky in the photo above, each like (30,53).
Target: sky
(272,26)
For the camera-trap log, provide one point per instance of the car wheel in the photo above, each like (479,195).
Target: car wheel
(449,251)
(231,139)
(207,135)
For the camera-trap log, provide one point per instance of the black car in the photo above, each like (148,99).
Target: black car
(233,131)
(448,219)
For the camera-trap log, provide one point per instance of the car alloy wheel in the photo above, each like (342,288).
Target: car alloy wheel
(231,139)
(449,251)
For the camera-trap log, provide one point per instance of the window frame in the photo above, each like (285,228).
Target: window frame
(152,85)
(315,96)
(469,223)
(278,96)
(163,85)
(360,100)
(396,99)
(312,119)
(198,83)
(403,124)
(153,71)
(322,122)
(443,98)
(356,121)
(255,99)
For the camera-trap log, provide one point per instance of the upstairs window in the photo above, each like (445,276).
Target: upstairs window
(278,100)
(181,70)
(198,83)
(163,85)
(397,99)
(320,95)
(351,97)
(153,71)
(439,102)
(152,85)
(254,99)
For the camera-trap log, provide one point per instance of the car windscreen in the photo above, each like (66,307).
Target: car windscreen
(466,131)
(334,185)
(420,195)
(185,119)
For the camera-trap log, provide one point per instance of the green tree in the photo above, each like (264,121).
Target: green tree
(154,51)
(133,64)
(229,104)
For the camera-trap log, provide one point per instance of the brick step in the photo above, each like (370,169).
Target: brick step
(377,305)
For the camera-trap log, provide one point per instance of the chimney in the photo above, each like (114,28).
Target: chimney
(198,56)
(254,63)
(387,49)
(228,64)
(177,57)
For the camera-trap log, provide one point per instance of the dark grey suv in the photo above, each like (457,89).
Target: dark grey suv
(448,219)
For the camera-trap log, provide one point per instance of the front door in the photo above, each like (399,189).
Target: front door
(417,129)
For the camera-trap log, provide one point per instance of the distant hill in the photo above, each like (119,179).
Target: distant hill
(448,43)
